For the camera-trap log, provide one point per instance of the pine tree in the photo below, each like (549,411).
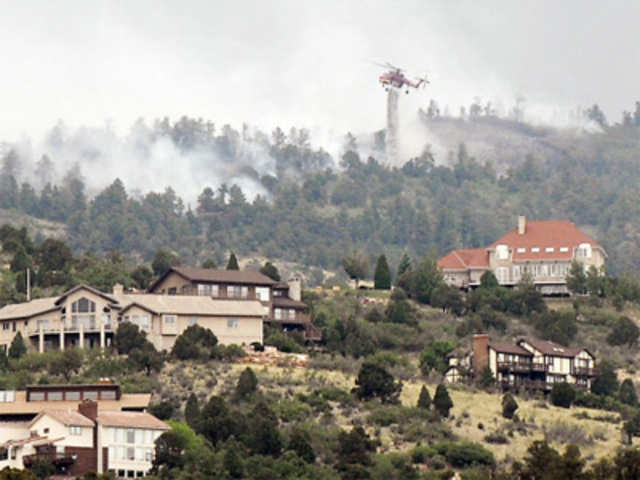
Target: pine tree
(509,406)
(382,276)
(405,265)
(247,383)
(442,401)
(424,400)
(627,393)
(192,411)
(233,262)
(271,271)
(18,347)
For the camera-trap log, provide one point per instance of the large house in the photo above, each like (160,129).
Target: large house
(86,317)
(530,363)
(542,249)
(282,302)
(82,439)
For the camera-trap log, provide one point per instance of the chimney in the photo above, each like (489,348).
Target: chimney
(522,224)
(295,289)
(480,353)
(89,409)
(118,289)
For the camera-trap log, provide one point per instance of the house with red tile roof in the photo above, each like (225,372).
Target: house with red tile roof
(542,249)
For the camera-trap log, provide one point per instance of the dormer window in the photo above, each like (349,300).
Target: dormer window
(564,249)
(535,250)
(522,250)
(549,249)
(502,252)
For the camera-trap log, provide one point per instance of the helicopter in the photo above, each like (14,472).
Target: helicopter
(396,78)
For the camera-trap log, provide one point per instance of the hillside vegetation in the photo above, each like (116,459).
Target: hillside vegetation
(312,208)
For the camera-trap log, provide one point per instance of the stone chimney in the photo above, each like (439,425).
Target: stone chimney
(89,409)
(118,289)
(295,289)
(480,352)
(522,224)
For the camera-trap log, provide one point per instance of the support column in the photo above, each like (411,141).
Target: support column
(101,335)
(81,336)
(62,337)
(40,340)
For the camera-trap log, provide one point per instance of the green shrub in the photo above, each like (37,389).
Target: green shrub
(562,395)
(465,454)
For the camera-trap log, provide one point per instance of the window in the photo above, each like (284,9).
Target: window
(108,395)
(521,250)
(193,321)
(6,326)
(204,290)
(84,305)
(173,291)
(14,326)
(292,314)
(75,430)
(549,249)
(36,396)
(169,319)
(131,435)
(535,249)
(54,396)
(148,454)
(45,430)
(232,323)
(262,294)
(148,437)
(90,395)
(277,312)
(139,436)
(516,273)
(584,251)
(502,252)
(564,249)
(7,396)
(502,274)
(131,453)
(142,321)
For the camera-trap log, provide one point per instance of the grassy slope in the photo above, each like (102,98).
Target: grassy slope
(470,407)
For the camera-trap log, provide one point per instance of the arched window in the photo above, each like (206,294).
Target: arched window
(83,314)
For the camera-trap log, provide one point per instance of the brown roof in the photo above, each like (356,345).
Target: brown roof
(547,347)
(554,234)
(509,348)
(65,417)
(131,420)
(245,277)
(287,302)
(465,259)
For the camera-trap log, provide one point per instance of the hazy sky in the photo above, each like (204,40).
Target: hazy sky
(305,62)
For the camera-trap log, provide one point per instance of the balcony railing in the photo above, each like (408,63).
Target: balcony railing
(583,371)
(57,458)
(539,367)
(526,384)
(35,330)
(514,366)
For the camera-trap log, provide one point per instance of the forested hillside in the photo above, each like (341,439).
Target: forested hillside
(301,204)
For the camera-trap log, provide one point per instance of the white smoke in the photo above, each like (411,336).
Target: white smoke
(145,162)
